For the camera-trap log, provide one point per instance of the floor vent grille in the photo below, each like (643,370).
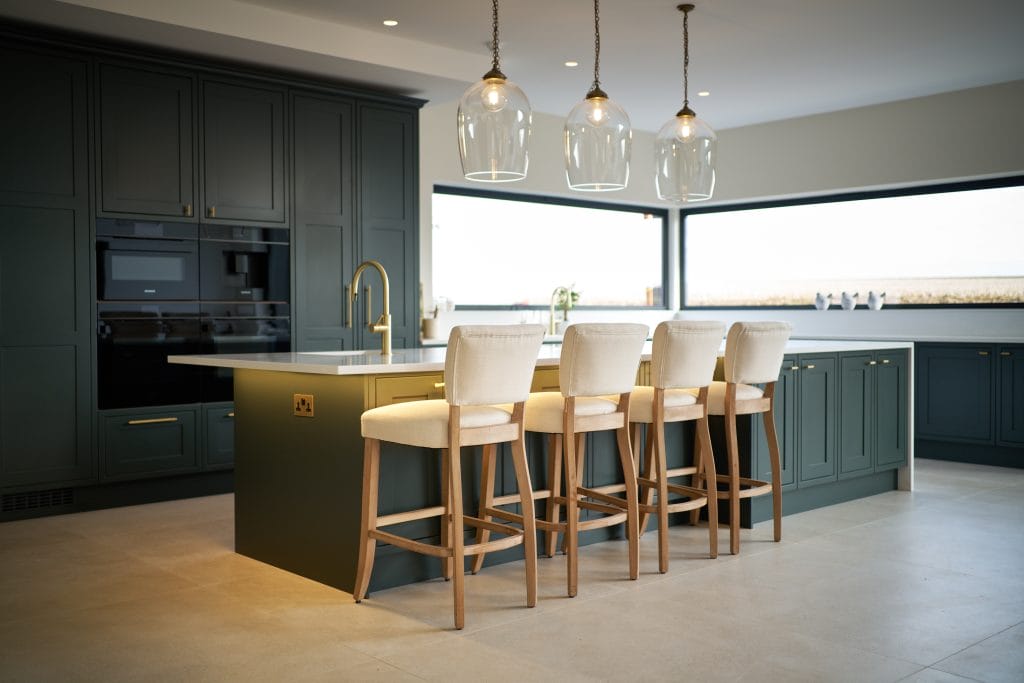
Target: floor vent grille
(33,500)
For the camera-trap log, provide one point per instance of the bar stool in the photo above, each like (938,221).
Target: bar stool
(485,365)
(597,359)
(683,360)
(753,355)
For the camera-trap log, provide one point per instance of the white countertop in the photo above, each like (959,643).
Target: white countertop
(431,359)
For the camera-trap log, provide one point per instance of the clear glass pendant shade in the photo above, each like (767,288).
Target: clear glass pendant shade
(685,152)
(598,142)
(494,129)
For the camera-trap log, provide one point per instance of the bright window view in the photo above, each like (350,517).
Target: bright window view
(506,252)
(964,247)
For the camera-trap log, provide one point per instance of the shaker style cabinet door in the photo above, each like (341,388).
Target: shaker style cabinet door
(891,408)
(816,419)
(243,169)
(1011,395)
(856,413)
(954,393)
(146,143)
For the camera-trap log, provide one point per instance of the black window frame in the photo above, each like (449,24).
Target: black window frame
(662,212)
(924,189)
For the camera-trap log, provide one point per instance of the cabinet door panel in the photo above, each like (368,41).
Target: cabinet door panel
(146,144)
(891,409)
(1011,396)
(954,393)
(816,405)
(45,422)
(243,153)
(219,439)
(148,444)
(856,412)
(785,426)
(42,128)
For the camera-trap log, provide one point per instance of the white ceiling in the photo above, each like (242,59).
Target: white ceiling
(761,60)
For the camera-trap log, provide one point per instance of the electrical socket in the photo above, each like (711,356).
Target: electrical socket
(303,405)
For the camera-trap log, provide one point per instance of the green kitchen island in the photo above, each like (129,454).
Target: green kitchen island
(843,419)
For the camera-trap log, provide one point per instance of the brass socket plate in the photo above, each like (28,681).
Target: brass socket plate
(303,405)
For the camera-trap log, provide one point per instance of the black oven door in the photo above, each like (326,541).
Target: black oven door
(138,261)
(241,328)
(133,342)
(243,264)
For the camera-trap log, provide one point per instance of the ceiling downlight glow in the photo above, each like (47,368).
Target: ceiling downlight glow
(390,22)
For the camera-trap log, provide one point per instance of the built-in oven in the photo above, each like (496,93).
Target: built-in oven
(133,342)
(146,260)
(243,264)
(239,328)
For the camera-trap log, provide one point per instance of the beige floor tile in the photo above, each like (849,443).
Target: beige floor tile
(996,659)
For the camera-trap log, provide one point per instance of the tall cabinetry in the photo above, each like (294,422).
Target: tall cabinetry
(46,423)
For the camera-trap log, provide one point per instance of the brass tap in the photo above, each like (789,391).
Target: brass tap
(383,324)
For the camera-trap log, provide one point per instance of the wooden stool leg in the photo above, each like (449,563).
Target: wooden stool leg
(776,462)
(732,448)
(710,477)
(529,522)
(661,472)
(555,485)
(486,499)
(699,480)
(571,492)
(649,472)
(632,498)
(367,544)
(456,537)
(446,518)
(581,447)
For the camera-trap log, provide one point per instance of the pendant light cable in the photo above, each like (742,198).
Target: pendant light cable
(597,47)
(686,53)
(495,63)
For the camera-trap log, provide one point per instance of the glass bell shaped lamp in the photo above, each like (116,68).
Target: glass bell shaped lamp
(598,137)
(686,148)
(494,124)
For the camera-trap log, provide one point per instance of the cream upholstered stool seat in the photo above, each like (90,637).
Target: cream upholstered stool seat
(683,358)
(597,359)
(486,366)
(753,355)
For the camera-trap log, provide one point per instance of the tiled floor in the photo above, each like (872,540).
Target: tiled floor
(922,586)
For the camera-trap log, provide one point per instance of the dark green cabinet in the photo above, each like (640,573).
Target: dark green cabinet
(953,392)
(816,412)
(243,164)
(325,218)
(388,218)
(218,436)
(145,142)
(872,412)
(1011,394)
(785,428)
(46,425)
(147,443)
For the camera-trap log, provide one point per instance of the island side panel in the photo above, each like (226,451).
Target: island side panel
(297,479)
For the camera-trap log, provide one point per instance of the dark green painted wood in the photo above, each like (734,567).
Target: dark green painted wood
(322,145)
(891,409)
(979,454)
(812,497)
(132,451)
(856,413)
(243,163)
(146,144)
(388,217)
(46,425)
(1011,395)
(816,419)
(954,392)
(785,429)
(218,436)
(43,126)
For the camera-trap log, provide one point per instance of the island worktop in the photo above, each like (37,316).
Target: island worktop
(298,446)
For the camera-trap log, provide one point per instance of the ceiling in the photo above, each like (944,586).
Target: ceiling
(761,60)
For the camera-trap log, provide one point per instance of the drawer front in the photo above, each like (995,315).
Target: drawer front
(402,388)
(545,379)
(134,445)
(219,437)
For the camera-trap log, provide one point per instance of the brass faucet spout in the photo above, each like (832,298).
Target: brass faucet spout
(383,324)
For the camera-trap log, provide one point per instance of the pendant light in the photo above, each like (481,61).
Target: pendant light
(686,148)
(494,124)
(598,138)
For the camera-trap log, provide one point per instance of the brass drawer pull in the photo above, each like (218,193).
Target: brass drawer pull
(872,362)
(231,414)
(187,209)
(152,420)
(809,366)
(439,385)
(794,367)
(982,353)
(1005,353)
(886,361)
(211,212)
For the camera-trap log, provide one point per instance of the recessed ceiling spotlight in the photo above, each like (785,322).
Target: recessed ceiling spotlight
(703,93)
(391,22)
(571,63)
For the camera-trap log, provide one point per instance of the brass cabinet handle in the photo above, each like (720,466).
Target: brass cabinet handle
(872,362)
(152,420)
(794,367)
(439,385)
(809,366)
(982,353)
(211,211)
(1005,353)
(886,361)
(187,209)
(231,414)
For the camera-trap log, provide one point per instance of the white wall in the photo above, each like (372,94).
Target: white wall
(954,136)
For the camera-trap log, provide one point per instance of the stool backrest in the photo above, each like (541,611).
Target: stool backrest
(600,358)
(489,364)
(685,353)
(753,351)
